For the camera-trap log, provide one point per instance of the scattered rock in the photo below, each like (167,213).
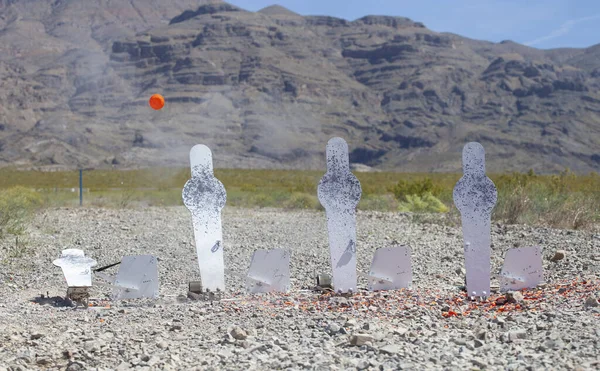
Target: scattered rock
(238,334)
(559,255)
(184,299)
(153,361)
(363,364)
(360,339)
(517,334)
(501,300)
(92,346)
(390,349)
(351,323)
(43,361)
(479,363)
(37,335)
(333,329)
(515,297)
(481,335)
(225,353)
(400,330)
(541,326)
(592,302)
(76,366)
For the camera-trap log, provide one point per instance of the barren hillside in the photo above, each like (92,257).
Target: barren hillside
(269,88)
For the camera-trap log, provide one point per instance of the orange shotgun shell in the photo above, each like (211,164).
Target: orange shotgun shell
(157,101)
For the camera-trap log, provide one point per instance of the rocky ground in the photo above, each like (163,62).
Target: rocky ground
(434,326)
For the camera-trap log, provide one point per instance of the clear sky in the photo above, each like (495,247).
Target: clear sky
(539,23)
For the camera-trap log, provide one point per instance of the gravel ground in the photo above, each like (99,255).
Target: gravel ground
(434,326)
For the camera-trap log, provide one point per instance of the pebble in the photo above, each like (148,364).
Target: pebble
(333,329)
(351,323)
(559,255)
(238,334)
(360,339)
(390,349)
(400,330)
(154,360)
(515,297)
(92,346)
(479,363)
(76,366)
(43,361)
(517,334)
(363,364)
(592,302)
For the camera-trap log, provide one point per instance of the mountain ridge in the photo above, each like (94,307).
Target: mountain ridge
(267,89)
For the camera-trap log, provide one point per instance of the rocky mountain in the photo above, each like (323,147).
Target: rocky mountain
(269,88)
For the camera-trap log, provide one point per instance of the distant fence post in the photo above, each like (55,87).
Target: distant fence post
(80,187)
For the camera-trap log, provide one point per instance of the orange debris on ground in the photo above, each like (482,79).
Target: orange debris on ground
(447,304)
(157,101)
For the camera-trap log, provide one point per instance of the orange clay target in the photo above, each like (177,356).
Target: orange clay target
(157,101)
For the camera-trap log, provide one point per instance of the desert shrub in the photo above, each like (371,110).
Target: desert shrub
(572,211)
(419,187)
(260,200)
(512,204)
(302,201)
(419,196)
(248,187)
(17,205)
(427,203)
(378,202)
(126,198)
(560,183)
(564,200)
(514,180)
(257,199)
(304,186)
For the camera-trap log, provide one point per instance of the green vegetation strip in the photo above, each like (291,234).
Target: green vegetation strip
(563,200)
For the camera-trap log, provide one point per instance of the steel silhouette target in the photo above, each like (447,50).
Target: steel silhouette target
(475,196)
(339,192)
(205,196)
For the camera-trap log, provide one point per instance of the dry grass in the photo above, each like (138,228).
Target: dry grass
(565,200)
